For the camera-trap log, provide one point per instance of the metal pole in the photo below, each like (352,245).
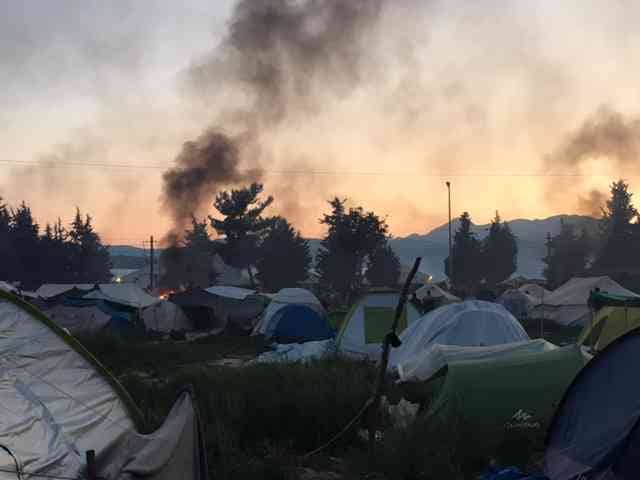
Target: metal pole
(450,244)
(92,471)
(151,266)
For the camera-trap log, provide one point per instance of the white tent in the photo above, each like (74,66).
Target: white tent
(518,302)
(368,321)
(127,294)
(58,402)
(535,291)
(7,287)
(286,296)
(78,319)
(236,293)
(166,316)
(469,323)
(50,290)
(434,291)
(567,305)
(428,362)
(228,275)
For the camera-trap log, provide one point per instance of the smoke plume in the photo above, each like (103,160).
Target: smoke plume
(279,58)
(607,142)
(202,167)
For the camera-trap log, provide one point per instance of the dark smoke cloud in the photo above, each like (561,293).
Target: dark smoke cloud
(203,166)
(284,56)
(608,137)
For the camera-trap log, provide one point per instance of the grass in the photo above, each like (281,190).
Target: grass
(260,420)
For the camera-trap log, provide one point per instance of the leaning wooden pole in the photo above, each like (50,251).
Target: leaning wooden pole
(390,339)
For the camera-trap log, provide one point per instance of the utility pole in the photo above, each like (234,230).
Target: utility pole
(450,244)
(151,266)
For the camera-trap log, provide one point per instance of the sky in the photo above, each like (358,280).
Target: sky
(529,108)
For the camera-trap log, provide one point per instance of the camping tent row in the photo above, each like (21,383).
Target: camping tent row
(59,402)
(568,304)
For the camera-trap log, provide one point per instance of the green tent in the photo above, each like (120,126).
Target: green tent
(609,324)
(492,399)
(598,300)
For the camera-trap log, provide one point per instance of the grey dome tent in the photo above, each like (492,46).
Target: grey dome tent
(58,402)
(595,433)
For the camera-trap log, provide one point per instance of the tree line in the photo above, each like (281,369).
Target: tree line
(275,254)
(613,251)
(56,254)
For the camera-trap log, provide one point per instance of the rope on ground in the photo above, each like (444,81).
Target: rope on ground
(347,427)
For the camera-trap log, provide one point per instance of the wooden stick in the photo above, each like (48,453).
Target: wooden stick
(374,409)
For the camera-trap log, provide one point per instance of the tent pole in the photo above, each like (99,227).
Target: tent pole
(92,472)
(374,408)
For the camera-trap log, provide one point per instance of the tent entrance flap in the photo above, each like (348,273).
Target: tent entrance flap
(378,322)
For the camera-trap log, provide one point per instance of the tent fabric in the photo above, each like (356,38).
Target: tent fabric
(50,290)
(433,291)
(568,304)
(166,316)
(609,324)
(298,324)
(535,290)
(60,400)
(469,323)
(7,287)
(497,398)
(518,303)
(228,275)
(236,293)
(357,325)
(430,361)
(79,319)
(595,433)
(127,294)
(598,300)
(284,297)
(175,450)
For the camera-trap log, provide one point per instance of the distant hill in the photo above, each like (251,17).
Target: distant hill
(433,246)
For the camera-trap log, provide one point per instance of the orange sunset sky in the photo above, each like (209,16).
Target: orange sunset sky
(97,99)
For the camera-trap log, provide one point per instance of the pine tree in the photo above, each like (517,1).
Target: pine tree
(620,241)
(467,258)
(284,257)
(90,261)
(24,233)
(242,225)
(383,267)
(499,252)
(352,236)
(198,255)
(567,255)
(10,269)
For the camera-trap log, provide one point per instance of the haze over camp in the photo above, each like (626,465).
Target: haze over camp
(319,239)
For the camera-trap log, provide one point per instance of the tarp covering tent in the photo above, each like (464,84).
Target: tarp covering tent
(121,317)
(78,320)
(568,304)
(495,399)
(235,293)
(298,324)
(535,290)
(199,306)
(469,323)
(595,432)
(517,302)
(127,294)
(58,402)
(51,290)
(430,361)
(434,291)
(284,297)
(369,320)
(166,316)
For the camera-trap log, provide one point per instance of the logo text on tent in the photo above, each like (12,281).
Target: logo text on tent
(521,419)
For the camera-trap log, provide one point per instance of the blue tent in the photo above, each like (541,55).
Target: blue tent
(596,430)
(298,323)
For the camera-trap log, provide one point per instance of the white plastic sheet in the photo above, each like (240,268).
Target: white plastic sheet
(468,323)
(297,352)
(428,362)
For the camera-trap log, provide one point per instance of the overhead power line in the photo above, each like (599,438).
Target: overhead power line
(373,173)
